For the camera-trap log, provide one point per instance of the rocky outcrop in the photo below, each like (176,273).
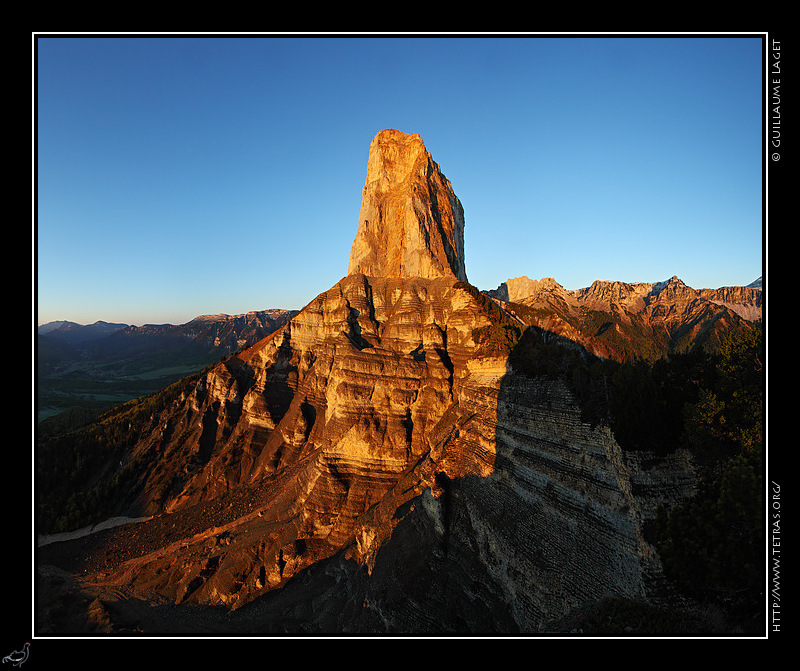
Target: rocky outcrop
(518,289)
(329,425)
(747,301)
(411,223)
(405,474)
(371,438)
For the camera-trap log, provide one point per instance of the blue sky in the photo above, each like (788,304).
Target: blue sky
(200,175)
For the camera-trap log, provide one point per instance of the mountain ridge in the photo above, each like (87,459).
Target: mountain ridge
(49,327)
(93,368)
(621,321)
(522,288)
(52,326)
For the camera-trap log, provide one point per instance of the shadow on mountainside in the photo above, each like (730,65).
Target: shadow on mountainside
(564,534)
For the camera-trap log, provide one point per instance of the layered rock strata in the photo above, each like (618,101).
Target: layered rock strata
(325,429)
(518,513)
(369,424)
(747,301)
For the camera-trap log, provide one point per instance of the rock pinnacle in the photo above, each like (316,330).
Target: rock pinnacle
(411,223)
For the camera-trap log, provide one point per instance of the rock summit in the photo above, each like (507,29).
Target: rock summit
(411,223)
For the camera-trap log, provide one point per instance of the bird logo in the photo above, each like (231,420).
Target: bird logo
(18,656)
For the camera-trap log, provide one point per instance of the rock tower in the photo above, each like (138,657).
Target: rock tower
(411,222)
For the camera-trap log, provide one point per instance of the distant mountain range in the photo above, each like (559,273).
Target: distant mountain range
(211,330)
(98,365)
(70,332)
(101,364)
(620,320)
(221,333)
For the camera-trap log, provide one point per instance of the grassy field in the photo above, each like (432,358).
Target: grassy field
(97,387)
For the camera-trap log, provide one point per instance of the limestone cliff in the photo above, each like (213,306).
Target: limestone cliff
(313,438)
(411,223)
(372,438)
(745,301)
(518,289)
(631,296)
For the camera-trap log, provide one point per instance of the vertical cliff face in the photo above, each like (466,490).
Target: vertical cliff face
(557,523)
(411,223)
(745,301)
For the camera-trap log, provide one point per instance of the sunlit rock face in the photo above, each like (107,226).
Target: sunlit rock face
(411,223)
(654,299)
(745,301)
(371,441)
(330,425)
(621,320)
